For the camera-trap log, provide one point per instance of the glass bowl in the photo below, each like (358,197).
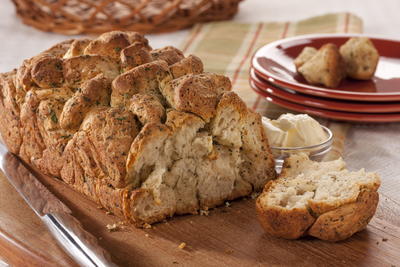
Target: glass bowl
(315,152)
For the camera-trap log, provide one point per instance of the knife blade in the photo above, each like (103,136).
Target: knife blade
(67,230)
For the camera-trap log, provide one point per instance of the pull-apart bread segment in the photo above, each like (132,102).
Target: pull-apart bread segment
(145,133)
(320,199)
(146,78)
(361,58)
(324,67)
(306,54)
(198,94)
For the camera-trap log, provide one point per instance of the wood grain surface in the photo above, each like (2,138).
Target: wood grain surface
(228,236)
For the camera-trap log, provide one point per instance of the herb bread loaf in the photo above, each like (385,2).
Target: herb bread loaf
(144,132)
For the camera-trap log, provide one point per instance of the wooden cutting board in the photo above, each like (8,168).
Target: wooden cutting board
(228,236)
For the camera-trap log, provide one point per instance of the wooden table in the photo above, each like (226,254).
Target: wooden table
(229,236)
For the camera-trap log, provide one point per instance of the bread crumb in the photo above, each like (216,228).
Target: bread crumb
(182,245)
(112,227)
(228,251)
(122,223)
(384,239)
(204,212)
(147,226)
(227,204)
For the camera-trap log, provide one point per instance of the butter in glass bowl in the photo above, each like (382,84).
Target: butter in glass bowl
(300,133)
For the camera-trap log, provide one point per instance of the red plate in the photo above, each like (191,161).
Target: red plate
(325,103)
(274,62)
(336,115)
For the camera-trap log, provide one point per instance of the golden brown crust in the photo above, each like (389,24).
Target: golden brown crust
(112,199)
(57,50)
(54,137)
(169,54)
(32,142)
(147,108)
(77,48)
(279,222)
(81,68)
(135,55)
(198,94)
(47,72)
(343,222)
(9,114)
(108,44)
(258,160)
(135,37)
(93,93)
(139,199)
(189,65)
(143,79)
(23,78)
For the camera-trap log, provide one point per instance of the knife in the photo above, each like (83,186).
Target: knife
(80,244)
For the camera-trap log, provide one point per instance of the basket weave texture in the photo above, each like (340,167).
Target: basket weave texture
(98,16)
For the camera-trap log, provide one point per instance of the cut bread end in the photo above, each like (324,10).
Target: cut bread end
(307,193)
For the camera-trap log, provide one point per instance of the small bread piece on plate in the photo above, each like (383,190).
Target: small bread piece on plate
(326,67)
(360,57)
(320,199)
(306,54)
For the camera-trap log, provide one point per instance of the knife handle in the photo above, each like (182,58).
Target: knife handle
(80,244)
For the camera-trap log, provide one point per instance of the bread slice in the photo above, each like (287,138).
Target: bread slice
(145,133)
(320,199)
(361,58)
(326,67)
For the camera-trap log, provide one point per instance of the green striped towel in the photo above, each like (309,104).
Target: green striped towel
(227,48)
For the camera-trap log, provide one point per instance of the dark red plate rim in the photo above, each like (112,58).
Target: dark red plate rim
(278,46)
(336,115)
(325,103)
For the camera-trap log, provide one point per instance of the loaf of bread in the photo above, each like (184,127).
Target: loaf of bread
(145,133)
(320,199)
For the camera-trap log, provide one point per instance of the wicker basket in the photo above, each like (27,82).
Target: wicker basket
(98,16)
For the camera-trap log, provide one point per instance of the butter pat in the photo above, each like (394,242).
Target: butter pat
(294,131)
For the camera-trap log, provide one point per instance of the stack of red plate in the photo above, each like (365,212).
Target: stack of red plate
(273,75)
